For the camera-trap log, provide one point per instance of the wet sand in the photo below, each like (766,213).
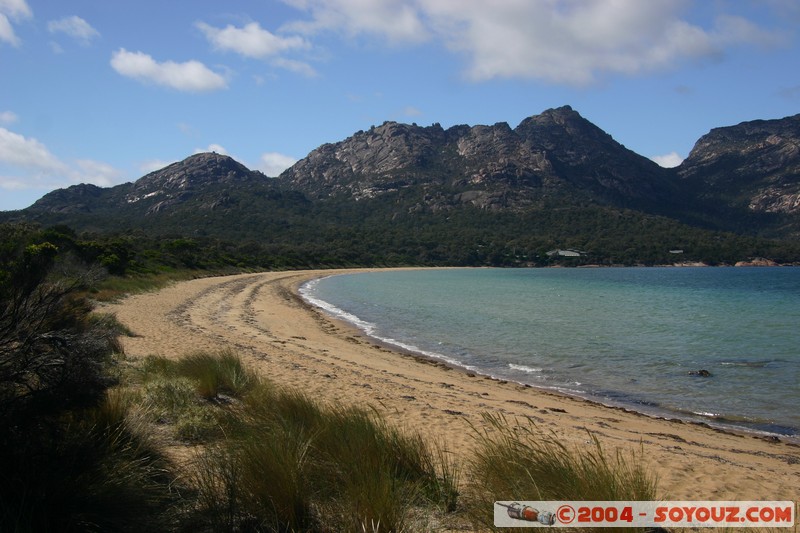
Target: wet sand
(261,317)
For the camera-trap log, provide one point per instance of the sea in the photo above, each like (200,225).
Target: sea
(717,345)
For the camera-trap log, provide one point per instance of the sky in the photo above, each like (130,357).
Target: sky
(105,91)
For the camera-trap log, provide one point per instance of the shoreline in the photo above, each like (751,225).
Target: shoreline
(654,411)
(265,320)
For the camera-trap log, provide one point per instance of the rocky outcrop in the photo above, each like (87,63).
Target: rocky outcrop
(753,166)
(589,159)
(179,182)
(368,163)
(75,199)
(756,262)
(555,154)
(204,177)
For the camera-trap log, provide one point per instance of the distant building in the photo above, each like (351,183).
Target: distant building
(676,251)
(565,253)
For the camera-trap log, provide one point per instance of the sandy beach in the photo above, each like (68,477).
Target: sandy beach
(261,317)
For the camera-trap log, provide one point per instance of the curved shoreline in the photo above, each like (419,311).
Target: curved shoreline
(265,320)
(652,410)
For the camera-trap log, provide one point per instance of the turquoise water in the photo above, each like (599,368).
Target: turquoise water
(622,336)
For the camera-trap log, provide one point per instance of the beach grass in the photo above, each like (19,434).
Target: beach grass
(268,458)
(274,459)
(516,459)
(295,464)
(215,373)
(93,470)
(115,287)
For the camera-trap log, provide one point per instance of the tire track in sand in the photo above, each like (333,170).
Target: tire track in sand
(280,336)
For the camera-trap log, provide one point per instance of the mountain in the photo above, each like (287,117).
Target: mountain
(194,176)
(751,169)
(555,155)
(472,195)
(204,188)
(174,184)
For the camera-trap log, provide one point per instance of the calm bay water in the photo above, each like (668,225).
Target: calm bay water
(622,336)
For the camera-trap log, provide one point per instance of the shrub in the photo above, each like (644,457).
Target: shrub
(90,470)
(155,366)
(53,354)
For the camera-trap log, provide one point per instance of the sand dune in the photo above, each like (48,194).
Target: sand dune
(261,317)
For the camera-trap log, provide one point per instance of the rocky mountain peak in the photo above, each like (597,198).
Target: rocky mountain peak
(736,178)
(208,175)
(554,127)
(179,181)
(194,171)
(367,163)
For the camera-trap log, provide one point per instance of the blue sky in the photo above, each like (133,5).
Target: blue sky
(98,91)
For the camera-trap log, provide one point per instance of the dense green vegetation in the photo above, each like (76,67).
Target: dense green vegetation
(339,233)
(69,462)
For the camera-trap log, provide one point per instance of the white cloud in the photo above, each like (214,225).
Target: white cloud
(15,10)
(298,67)
(75,27)
(273,163)
(251,40)
(570,42)
(411,111)
(95,172)
(186,129)
(8,117)
(11,183)
(567,42)
(732,30)
(7,31)
(38,168)
(18,150)
(151,165)
(212,148)
(397,21)
(190,76)
(669,160)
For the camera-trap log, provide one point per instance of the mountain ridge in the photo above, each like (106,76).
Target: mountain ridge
(385,183)
(483,163)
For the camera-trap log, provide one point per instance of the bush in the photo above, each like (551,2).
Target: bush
(91,470)
(53,355)
(71,458)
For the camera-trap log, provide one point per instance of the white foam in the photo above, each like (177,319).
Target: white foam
(305,292)
(523,368)
(369,328)
(706,414)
